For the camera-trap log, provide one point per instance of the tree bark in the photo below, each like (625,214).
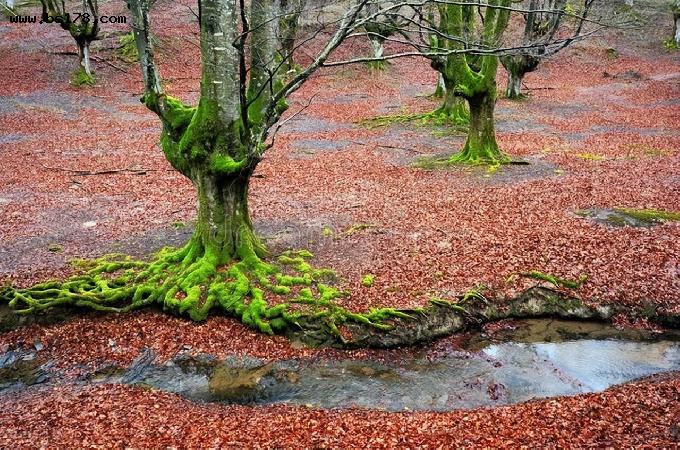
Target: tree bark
(224,229)
(454,107)
(441,87)
(84,56)
(481,145)
(514,89)
(290,11)
(377,46)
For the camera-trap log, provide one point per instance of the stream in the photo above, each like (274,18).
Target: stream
(537,358)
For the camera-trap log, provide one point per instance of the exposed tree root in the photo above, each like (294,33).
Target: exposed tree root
(443,318)
(190,282)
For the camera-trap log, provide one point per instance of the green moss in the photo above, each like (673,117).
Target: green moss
(368,280)
(327,232)
(650,215)
(378,65)
(670,45)
(555,281)
(225,164)
(647,150)
(590,156)
(81,78)
(488,158)
(355,228)
(127,48)
(190,282)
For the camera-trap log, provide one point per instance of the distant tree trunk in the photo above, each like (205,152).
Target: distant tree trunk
(84,56)
(517,66)
(541,23)
(378,31)
(290,13)
(82,31)
(377,44)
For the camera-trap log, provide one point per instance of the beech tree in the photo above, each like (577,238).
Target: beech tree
(379,30)
(290,12)
(541,23)
(83,27)
(216,144)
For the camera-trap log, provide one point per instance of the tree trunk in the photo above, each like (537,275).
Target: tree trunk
(377,45)
(84,56)
(454,107)
(676,26)
(224,229)
(10,4)
(441,87)
(481,145)
(514,84)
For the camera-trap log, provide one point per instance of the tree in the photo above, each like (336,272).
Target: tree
(675,7)
(217,145)
(83,27)
(290,12)
(542,21)
(473,77)
(378,31)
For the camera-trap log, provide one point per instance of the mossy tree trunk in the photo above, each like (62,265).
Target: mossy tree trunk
(473,78)
(481,145)
(212,144)
(223,228)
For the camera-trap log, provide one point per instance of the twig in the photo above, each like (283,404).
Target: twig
(81,172)
(97,58)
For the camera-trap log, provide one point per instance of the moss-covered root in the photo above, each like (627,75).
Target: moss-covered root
(190,282)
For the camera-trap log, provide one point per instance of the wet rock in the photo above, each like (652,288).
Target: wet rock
(140,366)
(228,382)
(21,369)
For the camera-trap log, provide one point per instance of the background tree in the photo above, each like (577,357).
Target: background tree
(378,31)
(83,27)
(290,13)
(541,23)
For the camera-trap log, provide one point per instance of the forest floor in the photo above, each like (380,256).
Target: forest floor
(600,128)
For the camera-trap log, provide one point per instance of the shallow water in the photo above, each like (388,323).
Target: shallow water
(580,358)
